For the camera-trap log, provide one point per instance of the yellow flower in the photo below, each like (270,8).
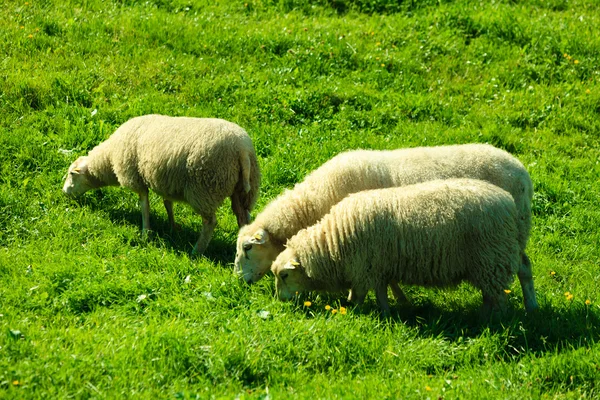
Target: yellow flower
(343,310)
(428,388)
(567,294)
(588,91)
(333,311)
(307,304)
(378,44)
(588,302)
(328,307)
(383,65)
(30,36)
(16,383)
(565,55)
(570,297)
(552,273)
(576,62)
(507,291)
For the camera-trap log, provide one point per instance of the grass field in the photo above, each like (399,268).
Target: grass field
(88,309)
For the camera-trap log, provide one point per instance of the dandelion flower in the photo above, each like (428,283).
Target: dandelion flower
(552,273)
(507,291)
(588,91)
(30,36)
(565,55)
(307,304)
(328,307)
(428,388)
(378,44)
(570,297)
(576,62)
(588,302)
(333,311)
(383,65)
(567,294)
(16,383)
(343,310)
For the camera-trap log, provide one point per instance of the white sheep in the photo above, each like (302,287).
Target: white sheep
(199,161)
(260,242)
(438,233)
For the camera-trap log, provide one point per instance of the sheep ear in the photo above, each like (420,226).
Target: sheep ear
(292,264)
(81,167)
(260,237)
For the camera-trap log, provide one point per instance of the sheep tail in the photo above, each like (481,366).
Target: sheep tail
(246,167)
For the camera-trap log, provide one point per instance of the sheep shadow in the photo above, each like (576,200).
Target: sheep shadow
(546,329)
(181,241)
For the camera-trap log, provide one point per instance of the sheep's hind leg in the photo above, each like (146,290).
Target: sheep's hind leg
(526,279)
(145,206)
(242,215)
(208,226)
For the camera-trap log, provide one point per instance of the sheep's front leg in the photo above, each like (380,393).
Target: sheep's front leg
(208,226)
(382,299)
(145,206)
(526,279)
(398,293)
(169,207)
(357,296)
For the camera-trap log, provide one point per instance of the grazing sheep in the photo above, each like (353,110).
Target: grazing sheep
(260,242)
(438,233)
(199,161)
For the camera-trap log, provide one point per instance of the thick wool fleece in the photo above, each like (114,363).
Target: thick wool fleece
(437,233)
(358,170)
(199,161)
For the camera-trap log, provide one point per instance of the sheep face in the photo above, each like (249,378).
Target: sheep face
(77,182)
(255,254)
(290,276)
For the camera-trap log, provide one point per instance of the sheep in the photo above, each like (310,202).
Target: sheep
(260,242)
(438,233)
(199,161)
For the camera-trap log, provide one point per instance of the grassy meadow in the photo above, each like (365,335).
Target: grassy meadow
(89,309)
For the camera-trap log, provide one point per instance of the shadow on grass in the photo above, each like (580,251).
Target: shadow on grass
(180,242)
(570,326)
(546,329)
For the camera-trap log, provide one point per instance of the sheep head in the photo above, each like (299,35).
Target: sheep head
(78,178)
(255,253)
(290,276)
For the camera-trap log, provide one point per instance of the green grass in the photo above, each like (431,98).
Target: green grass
(88,309)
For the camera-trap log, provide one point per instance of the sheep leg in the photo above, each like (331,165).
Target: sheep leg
(382,299)
(357,296)
(494,302)
(242,215)
(208,226)
(526,279)
(145,206)
(398,293)
(169,207)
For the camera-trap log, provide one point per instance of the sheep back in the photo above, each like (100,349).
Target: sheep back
(359,170)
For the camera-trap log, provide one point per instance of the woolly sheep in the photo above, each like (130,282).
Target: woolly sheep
(259,243)
(199,161)
(438,233)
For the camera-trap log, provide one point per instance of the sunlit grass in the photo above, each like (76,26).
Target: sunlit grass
(88,308)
